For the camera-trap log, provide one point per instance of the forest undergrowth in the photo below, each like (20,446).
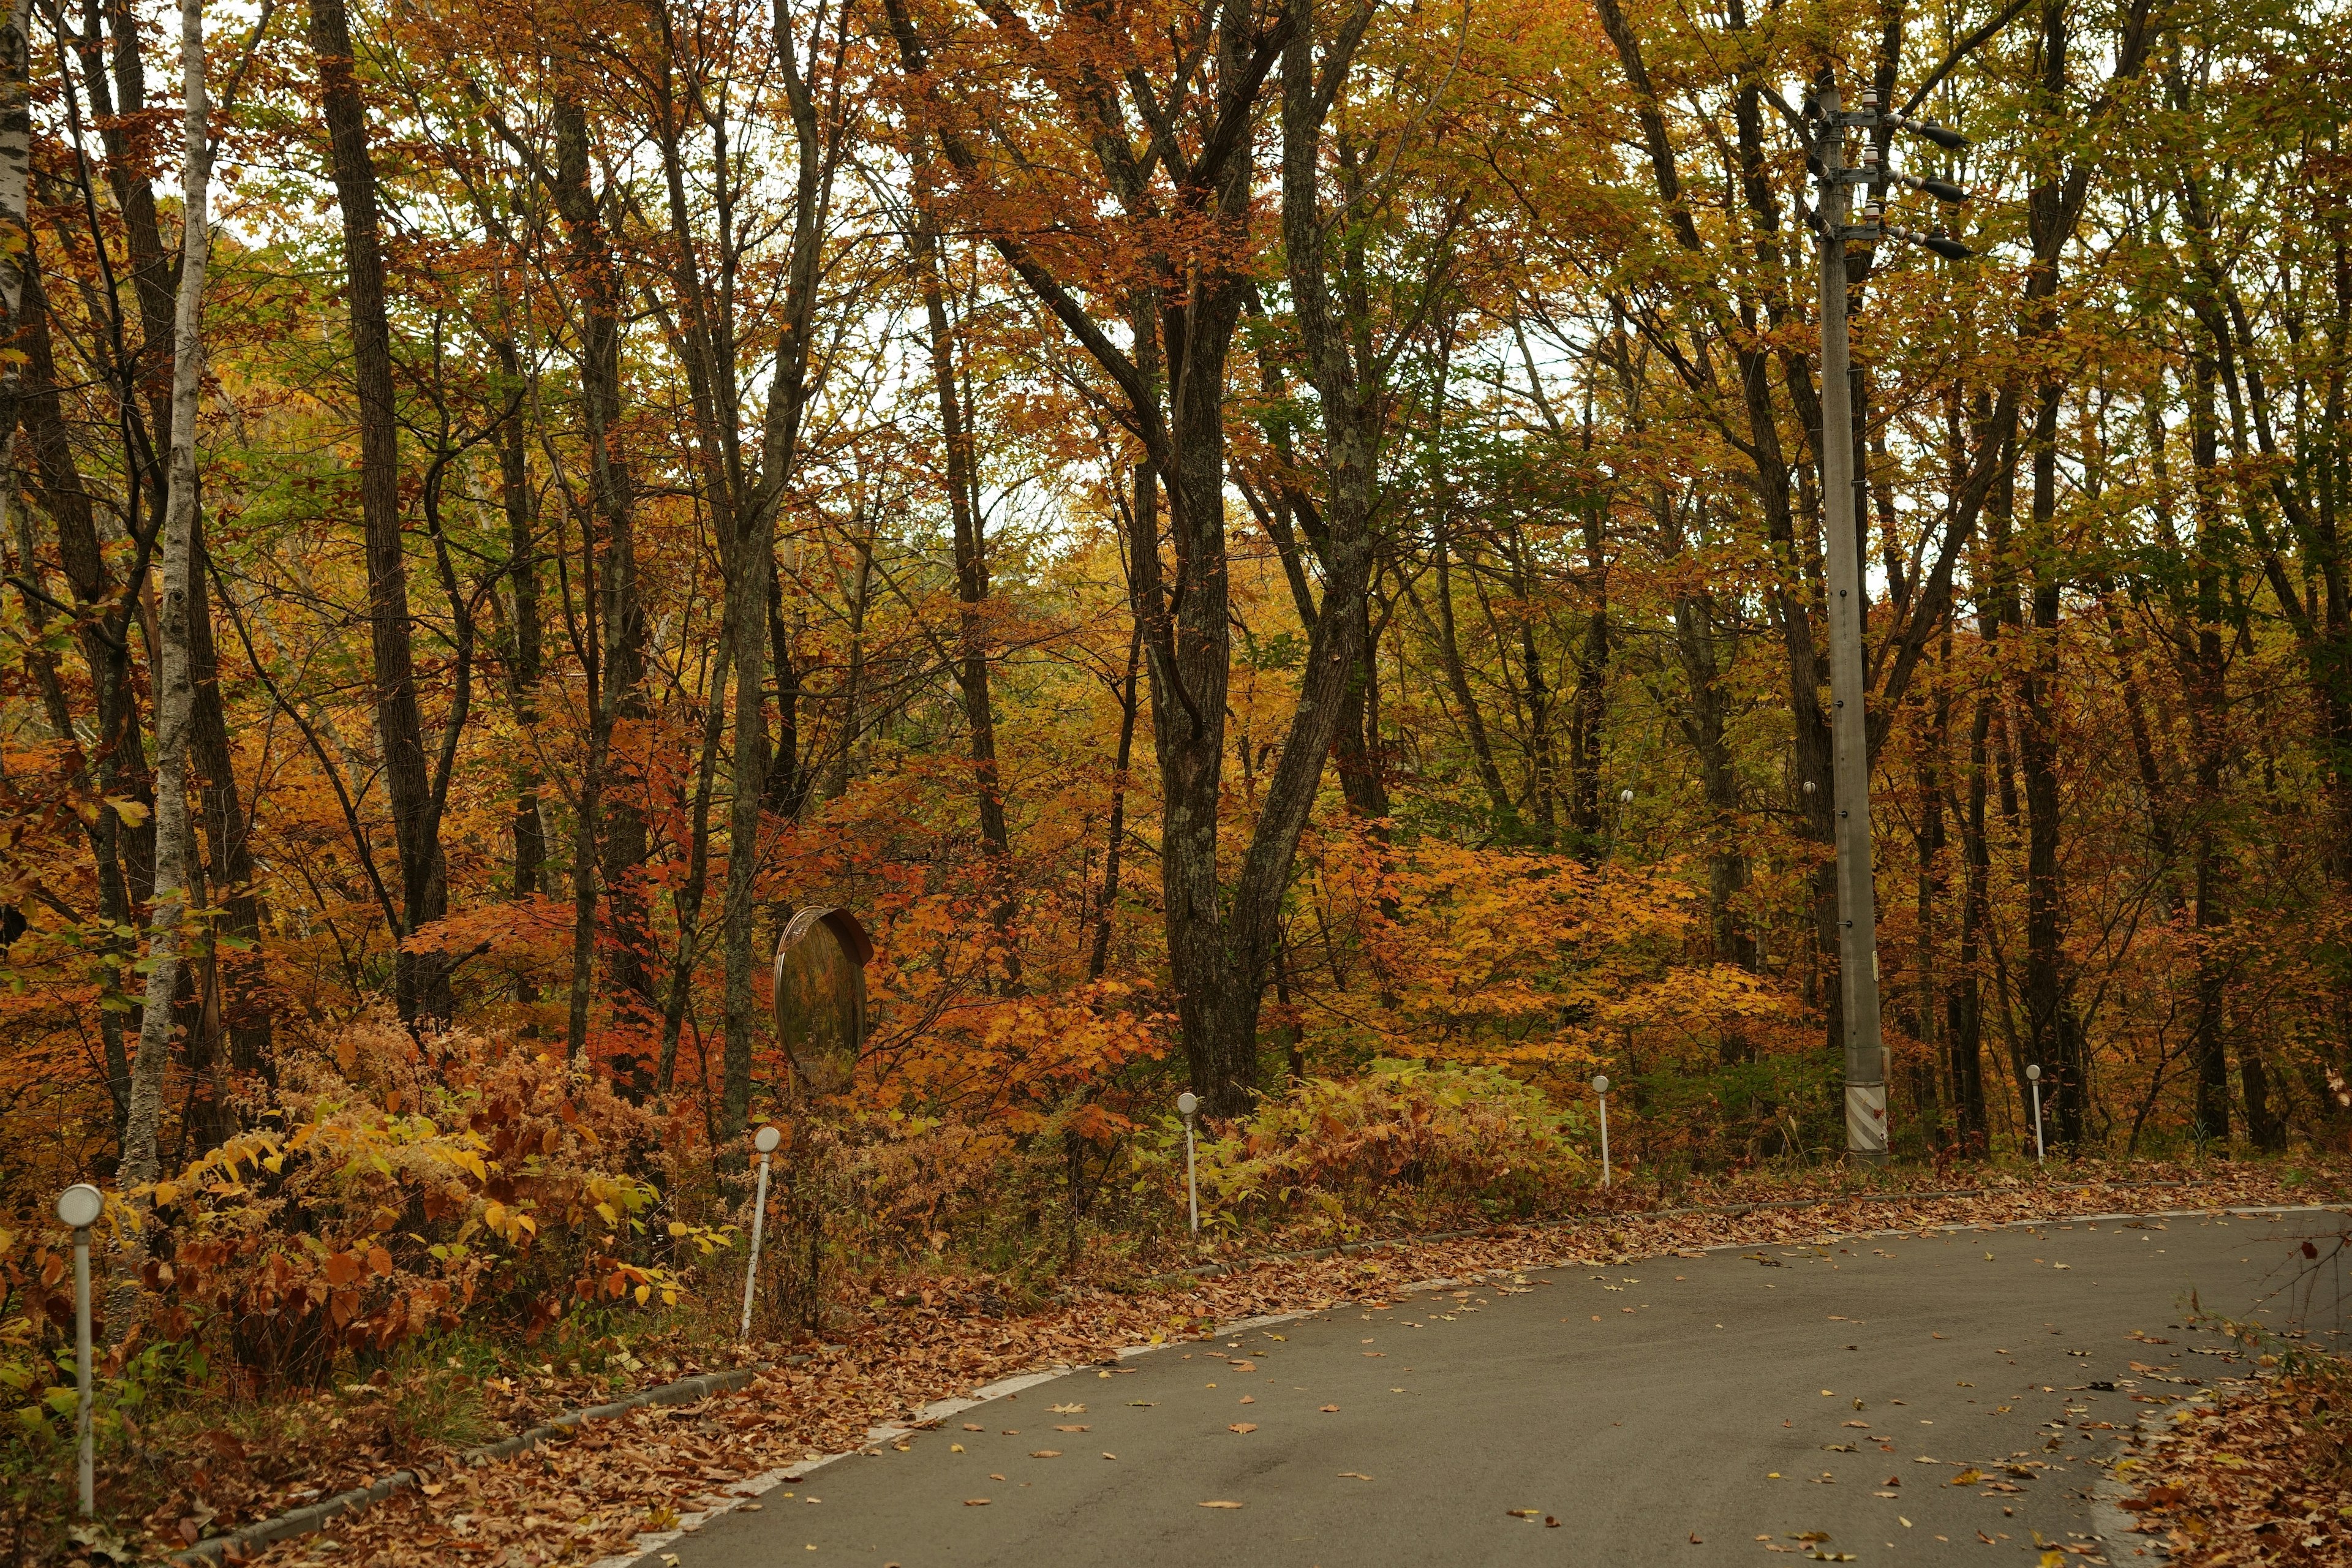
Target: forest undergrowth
(426,1246)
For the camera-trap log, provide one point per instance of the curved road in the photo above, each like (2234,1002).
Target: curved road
(1906,1399)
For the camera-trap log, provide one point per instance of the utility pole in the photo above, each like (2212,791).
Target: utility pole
(1844,490)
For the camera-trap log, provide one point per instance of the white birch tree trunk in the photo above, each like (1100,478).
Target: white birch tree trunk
(174,684)
(15,231)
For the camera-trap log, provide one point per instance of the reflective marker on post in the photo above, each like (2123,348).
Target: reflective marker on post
(1186,1104)
(1601,1087)
(2033,1077)
(78,1207)
(766,1144)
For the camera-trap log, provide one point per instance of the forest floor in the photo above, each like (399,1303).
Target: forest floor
(202,1464)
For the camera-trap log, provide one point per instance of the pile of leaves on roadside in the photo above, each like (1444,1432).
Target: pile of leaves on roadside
(588,1497)
(2262,1475)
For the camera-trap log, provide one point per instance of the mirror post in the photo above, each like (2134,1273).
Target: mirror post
(1601,1092)
(79,1207)
(81,1370)
(766,1143)
(2033,1077)
(1186,1104)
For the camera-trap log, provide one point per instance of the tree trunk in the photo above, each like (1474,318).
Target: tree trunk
(175,678)
(1588,708)
(2052,1027)
(525,653)
(971,592)
(1964,996)
(750,584)
(115,755)
(1114,833)
(612,781)
(420,980)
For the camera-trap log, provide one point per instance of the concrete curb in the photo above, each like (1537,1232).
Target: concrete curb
(2117,1529)
(240,1543)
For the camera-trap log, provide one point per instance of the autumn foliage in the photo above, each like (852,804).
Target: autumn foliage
(1272,548)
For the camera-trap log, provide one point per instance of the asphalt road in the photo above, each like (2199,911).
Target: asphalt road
(1798,1399)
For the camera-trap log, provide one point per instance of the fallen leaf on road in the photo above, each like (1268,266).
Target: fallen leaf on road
(1243,1426)
(975,1502)
(1141,1403)
(1069,1429)
(1221,1504)
(1550,1523)
(1044,1453)
(955,1447)
(1354,1476)
(1864,1424)
(1249,1399)
(1528,1513)
(969,1427)
(1968,1477)
(1069,1410)
(1374,1354)
(1108,1455)
(1330,1410)
(1695,1540)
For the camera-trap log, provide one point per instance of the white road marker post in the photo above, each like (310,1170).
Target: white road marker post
(2033,1077)
(78,1207)
(1186,1104)
(766,1144)
(1601,1089)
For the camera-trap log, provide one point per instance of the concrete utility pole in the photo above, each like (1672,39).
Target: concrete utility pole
(1843,510)
(1865,1053)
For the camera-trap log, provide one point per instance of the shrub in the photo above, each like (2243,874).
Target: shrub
(1405,1134)
(388,1196)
